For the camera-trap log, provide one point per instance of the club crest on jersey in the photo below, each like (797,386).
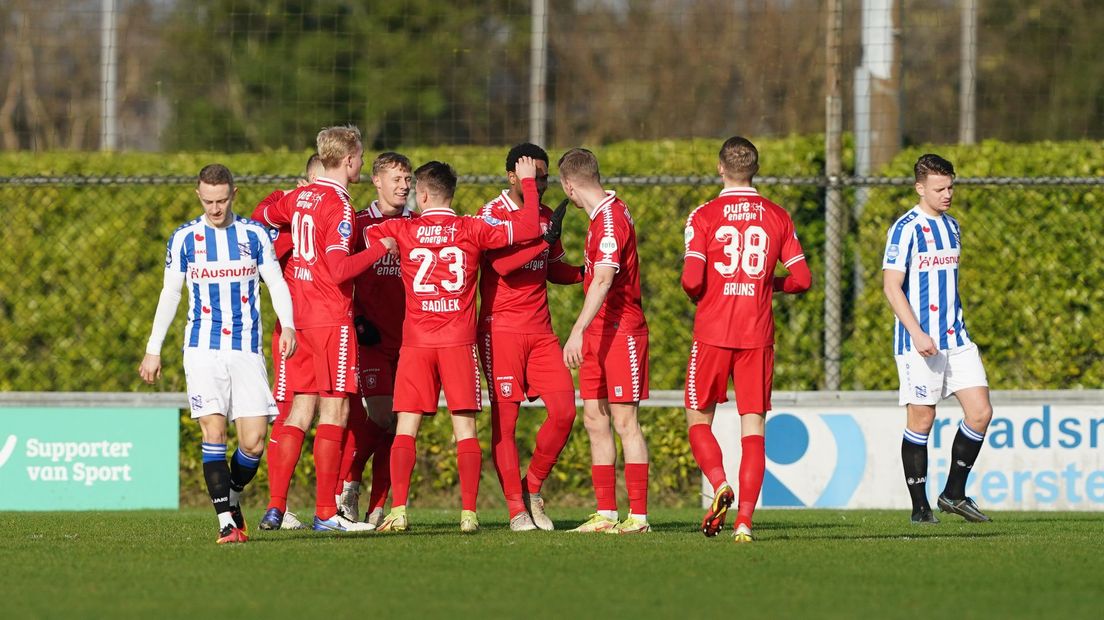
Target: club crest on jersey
(245,249)
(345,229)
(492,220)
(506,388)
(608,245)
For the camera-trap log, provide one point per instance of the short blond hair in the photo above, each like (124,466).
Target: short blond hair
(579,164)
(336,143)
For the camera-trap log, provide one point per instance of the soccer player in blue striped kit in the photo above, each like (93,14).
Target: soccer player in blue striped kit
(222,257)
(934,353)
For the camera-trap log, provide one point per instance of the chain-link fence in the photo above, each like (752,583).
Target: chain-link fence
(82,264)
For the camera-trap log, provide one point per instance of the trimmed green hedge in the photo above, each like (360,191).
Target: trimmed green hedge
(81,272)
(1031,280)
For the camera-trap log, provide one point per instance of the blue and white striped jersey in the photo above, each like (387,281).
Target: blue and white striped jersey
(220,267)
(927,250)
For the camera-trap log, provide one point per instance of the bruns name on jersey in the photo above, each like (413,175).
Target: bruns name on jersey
(221,271)
(741,211)
(440,305)
(739,289)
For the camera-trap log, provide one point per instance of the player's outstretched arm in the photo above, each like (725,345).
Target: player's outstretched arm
(595,297)
(798,281)
(893,286)
(150,367)
(345,267)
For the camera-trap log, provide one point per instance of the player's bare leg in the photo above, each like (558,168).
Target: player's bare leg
(753,465)
(469,462)
(914,457)
(217,474)
(603,455)
(978,412)
(707,452)
(403,457)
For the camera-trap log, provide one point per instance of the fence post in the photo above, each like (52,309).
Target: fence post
(538,67)
(833,233)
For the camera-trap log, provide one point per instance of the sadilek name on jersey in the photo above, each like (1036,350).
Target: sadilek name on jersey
(221,267)
(927,250)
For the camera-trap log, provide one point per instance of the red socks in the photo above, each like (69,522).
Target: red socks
(469,462)
(381,470)
(283,455)
(327,460)
(504,454)
(605,486)
(551,438)
(707,452)
(636,484)
(752,465)
(402,466)
(345,465)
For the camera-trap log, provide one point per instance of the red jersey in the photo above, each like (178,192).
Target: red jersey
(321,220)
(611,242)
(378,293)
(517,302)
(734,242)
(440,254)
(281,237)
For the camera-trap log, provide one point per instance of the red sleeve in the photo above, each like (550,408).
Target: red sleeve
(526,222)
(272,210)
(344,267)
(799,280)
(693,277)
(560,272)
(509,260)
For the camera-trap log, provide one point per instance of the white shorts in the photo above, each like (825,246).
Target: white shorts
(928,380)
(229,383)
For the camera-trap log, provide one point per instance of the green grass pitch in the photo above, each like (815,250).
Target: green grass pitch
(805,563)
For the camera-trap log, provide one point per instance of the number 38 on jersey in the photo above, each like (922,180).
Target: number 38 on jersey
(746,251)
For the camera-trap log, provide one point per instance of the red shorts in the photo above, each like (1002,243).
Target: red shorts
(325,361)
(424,371)
(615,367)
(377,371)
(280,392)
(520,366)
(707,373)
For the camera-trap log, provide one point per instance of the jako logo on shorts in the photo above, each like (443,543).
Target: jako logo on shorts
(817,461)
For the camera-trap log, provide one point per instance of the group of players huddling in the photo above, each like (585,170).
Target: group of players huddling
(377,315)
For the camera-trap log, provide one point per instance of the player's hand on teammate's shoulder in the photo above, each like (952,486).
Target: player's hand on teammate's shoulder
(301,183)
(925,345)
(150,368)
(288,342)
(526,168)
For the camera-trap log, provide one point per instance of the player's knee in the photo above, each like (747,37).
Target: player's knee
(981,416)
(627,428)
(252,446)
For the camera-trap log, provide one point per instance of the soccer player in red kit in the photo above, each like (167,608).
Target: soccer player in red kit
(378,299)
(521,355)
(281,242)
(609,346)
(325,372)
(733,244)
(440,253)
